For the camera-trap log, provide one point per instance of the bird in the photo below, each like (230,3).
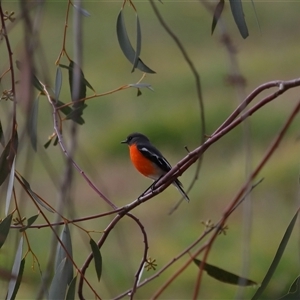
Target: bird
(148,160)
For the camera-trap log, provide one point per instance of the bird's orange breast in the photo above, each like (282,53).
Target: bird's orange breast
(143,164)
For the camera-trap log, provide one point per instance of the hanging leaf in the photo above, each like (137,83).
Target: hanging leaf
(126,46)
(16,273)
(35,196)
(7,157)
(4,229)
(58,83)
(47,144)
(61,254)
(141,85)
(72,289)
(138,43)
(32,123)
(36,83)
(97,258)
(217,14)
(224,276)
(238,15)
(58,286)
(19,279)
(294,291)
(78,91)
(2,141)
(30,221)
(10,187)
(277,257)
(82,11)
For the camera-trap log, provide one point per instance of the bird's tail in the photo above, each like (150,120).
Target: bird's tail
(178,185)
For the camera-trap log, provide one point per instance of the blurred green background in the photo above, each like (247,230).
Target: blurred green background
(170,117)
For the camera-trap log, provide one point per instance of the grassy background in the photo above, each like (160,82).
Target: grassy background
(170,117)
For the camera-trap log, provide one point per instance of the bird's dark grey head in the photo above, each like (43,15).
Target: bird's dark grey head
(134,137)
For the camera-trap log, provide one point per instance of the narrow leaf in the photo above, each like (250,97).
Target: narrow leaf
(19,279)
(97,258)
(7,157)
(58,287)
(72,289)
(255,13)
(32,123)
(61,254)
(138,43)
(12,286)
(34,195)
(82,11)
(4,229)
(277,257)
(294,291)
(78,90)
(238,15)
(126,46)
(224,276)
(10,187)
(58,83)
(141,85)
(2,141)
(30,221)
(217,15)
(36,83)
(47,144)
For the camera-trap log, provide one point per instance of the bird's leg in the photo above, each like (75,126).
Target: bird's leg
(151,187)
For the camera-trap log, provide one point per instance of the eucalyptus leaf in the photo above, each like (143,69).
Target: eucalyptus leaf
(224,276)
(4,229)
(10,187)
(72,289)
(277,258)
(239,18)
(13,283)
(126,46)
(217,14)
(32,123)
(97,258)
(30,221)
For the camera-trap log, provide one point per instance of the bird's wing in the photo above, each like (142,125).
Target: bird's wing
(155,156)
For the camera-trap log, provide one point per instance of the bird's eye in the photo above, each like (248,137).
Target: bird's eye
(129,138)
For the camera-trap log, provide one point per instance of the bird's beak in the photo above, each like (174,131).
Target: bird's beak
(124,142)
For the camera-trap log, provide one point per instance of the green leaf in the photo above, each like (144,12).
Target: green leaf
(16,272)
(32,123)
(34,195)
(82,11)
(72,289)
(78,91)
(97,258)
(58,286)
(217,14)
(277,257)
(58,83)
(126,46)
(10,187)
(7,157)
(30,221)
(47,144)
(61,254)
(2,141)
(141,85)
(36,83)
(294,291)
(138,43)
(238,15)
(19,279)
(224,276)
(4,229)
